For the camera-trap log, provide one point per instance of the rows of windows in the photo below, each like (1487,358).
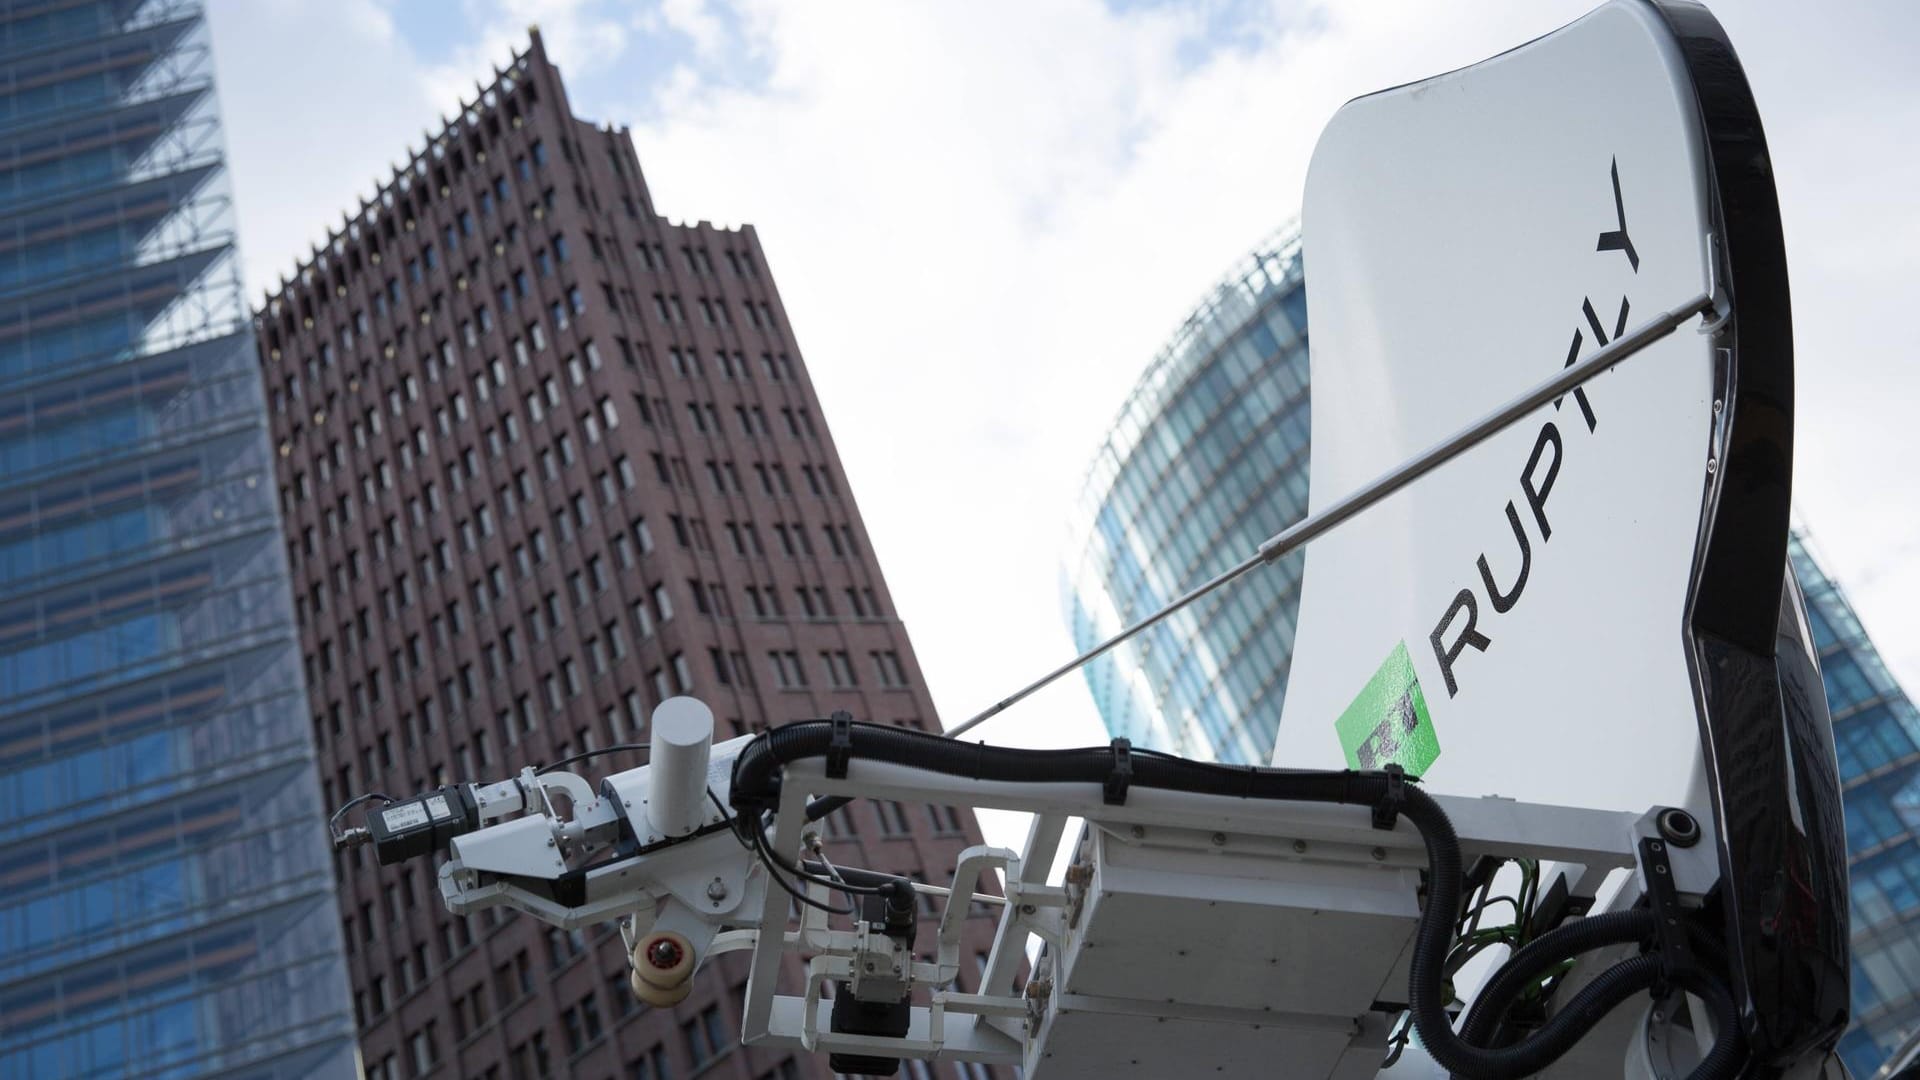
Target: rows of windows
(136,941)
(1209,457)
(837,668)
(1877,741)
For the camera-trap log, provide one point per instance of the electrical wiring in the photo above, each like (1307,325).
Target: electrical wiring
(353,802)
(758,769)
(766,846)
(767,860)
(595,752)
(750,841)
(755,841)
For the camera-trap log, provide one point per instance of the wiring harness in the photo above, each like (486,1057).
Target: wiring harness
(1467,1054)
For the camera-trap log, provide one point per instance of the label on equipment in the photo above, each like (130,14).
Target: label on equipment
(408,816)
(1388,724)
(437,806)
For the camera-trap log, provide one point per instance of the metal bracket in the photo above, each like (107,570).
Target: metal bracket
(1669,918)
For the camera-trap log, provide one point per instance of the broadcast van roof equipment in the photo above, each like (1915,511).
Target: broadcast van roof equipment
(1554,791)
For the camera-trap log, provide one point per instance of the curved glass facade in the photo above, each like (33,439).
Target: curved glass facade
(1876,733)
(166,897)
(1207,459)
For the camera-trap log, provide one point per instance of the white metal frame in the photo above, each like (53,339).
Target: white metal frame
(992,1025)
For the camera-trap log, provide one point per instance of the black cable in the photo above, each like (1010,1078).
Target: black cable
(757,774)
(351,803)
(1533,961)
(733,823)
(820,808)
(753,842)
(766,859)
(596,752)
(801,873)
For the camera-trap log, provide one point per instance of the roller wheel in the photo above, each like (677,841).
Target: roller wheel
(664,960)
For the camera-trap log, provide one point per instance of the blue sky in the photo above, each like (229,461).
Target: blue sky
(986,217)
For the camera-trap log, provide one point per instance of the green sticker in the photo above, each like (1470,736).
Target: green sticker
(1388,724)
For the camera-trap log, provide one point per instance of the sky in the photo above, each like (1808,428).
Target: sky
(985,218)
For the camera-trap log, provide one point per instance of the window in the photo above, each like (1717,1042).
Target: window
(886,664)
(582,1023)
(787,672)
(425,1053)
(945,819)
(893,818)
(839,667)
(651,1065)
(706,1036)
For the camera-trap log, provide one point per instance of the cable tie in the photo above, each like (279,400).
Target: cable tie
(1386,812)
(840,745)
(1118,780)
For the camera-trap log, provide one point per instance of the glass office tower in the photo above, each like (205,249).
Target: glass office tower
(1876,731)
(1207,458)
(166,901)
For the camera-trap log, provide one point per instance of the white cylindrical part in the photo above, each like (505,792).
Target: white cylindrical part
(677,766)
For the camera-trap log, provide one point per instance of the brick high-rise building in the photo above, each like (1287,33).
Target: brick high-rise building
(547,459)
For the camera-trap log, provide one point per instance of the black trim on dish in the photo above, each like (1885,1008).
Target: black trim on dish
(1764,727)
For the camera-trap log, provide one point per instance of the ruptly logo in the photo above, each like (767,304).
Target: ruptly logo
(1461,621)
(1388,724)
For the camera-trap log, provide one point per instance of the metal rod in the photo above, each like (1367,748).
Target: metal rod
(1310,528)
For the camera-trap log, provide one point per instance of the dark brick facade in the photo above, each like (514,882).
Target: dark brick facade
(546,458)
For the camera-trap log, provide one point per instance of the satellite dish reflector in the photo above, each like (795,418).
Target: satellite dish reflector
(1591,607)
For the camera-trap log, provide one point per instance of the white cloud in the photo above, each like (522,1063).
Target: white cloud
(587,36)
(697,20)
(319,102)
(985,218)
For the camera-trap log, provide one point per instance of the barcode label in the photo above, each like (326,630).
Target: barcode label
(408,816)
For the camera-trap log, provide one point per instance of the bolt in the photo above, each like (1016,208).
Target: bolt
(1219,839)
(716,890)
(1139,831)
(1027,909)
(1299,847)
(1379,854)
(663,954)
(1711,465)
